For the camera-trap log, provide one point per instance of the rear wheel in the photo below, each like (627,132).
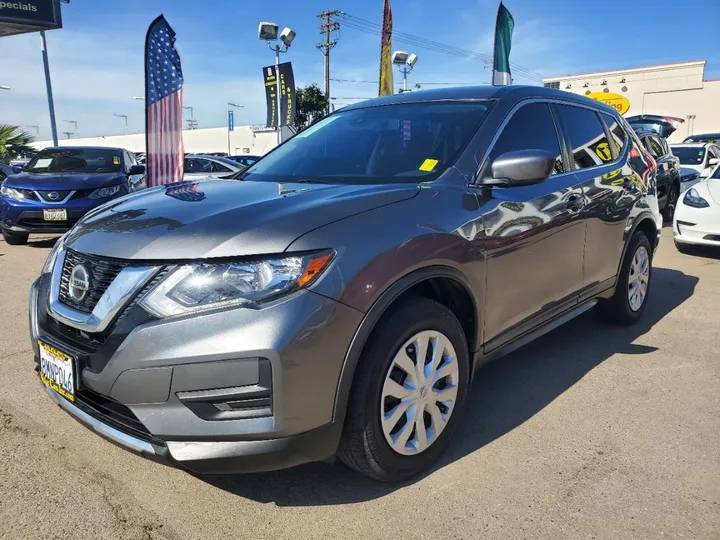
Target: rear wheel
(672,200)
(633,284)
(408,391)
(15,239)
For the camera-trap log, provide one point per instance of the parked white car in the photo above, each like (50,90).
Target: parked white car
(697,217)
(701,157)
(200,166)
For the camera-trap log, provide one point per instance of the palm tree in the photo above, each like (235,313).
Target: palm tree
(14,142)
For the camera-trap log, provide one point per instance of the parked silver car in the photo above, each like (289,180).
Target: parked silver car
(338,297)
(202,166)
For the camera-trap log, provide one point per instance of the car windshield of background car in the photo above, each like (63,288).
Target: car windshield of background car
(75,160)
(689,155)
(409,142)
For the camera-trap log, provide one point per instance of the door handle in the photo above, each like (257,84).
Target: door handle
(575,202)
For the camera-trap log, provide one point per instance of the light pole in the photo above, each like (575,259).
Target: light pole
(68,133)
(139,97)
(405,63)
(227,119)
(268,31)
(48,86)
(125,117)
(4,88)
(73,122)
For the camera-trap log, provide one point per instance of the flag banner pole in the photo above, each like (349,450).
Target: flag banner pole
(165,161)
(503,37)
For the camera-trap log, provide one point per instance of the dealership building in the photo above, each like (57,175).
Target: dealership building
(680,90)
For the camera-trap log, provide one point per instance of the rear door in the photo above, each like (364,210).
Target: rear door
(534,238)
(600,155)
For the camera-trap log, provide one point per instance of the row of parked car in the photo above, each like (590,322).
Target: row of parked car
(59,185)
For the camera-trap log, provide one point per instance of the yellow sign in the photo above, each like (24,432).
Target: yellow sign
(616,101)
(603,151)
(428,165)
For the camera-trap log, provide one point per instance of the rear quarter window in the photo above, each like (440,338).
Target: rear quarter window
(586,134)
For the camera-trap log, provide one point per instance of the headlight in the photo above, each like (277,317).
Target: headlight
(52,257)
(693,198)
(202,286)
(11,193)
(104,192)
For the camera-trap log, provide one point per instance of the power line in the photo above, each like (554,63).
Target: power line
(363,25)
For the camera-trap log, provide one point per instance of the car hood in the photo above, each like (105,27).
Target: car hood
(220,218)
(689,171)
(61,181)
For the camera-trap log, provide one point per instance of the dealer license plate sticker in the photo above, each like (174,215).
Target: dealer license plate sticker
(57,371)
(54,214)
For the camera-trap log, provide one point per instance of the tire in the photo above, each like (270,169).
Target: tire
(671,204)
(618,308)
(364,445)
(15,239)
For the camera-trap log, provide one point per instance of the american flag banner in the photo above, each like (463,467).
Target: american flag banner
(165,161)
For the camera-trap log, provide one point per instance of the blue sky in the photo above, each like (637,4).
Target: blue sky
(96,60)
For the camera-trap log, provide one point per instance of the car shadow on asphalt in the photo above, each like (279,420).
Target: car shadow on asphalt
(505,394)
(43,242)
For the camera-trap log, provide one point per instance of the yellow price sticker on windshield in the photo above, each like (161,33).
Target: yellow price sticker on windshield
(116,160)
(428,165)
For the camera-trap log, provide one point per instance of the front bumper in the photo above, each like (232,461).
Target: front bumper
(151,386)
(697,226)
(27,216)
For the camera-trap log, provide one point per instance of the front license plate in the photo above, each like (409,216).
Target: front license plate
(57,370)
(54,214)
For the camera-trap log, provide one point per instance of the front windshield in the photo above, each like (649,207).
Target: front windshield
(409,142)
(76,160)
(689,155)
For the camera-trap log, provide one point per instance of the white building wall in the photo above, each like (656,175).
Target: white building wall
(671,90)
(243,140)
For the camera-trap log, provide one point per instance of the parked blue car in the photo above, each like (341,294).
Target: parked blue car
(60,185)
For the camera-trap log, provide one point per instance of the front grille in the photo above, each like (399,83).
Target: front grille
(39,223)
(102,273)
(114,414)
(59,195)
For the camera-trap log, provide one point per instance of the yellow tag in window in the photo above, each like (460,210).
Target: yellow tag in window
(116,160)
(428,165)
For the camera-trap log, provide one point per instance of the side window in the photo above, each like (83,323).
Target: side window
(193,165)
(543,136)
(618,133)
(655,146)
(585,132)
(217,167)
(129,161)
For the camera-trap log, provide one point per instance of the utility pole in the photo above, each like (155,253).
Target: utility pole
(326,28)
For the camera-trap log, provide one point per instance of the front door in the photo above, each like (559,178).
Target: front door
(534,235)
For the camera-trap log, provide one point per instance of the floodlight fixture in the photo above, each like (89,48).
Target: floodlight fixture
(268,31)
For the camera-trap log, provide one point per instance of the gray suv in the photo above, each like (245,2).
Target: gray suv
(336,298)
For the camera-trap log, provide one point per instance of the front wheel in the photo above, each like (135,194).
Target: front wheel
(633,284)
(409,388)
(15,239)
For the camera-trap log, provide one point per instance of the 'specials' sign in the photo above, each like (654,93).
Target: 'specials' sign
(270,96)
(21,16)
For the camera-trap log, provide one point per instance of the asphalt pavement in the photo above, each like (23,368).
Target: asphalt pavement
(592,432)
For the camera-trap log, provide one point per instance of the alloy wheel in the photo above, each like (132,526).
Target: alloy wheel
(673,197)
(639,278)
(419,392)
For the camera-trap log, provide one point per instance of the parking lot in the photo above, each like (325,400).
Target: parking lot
(590,432)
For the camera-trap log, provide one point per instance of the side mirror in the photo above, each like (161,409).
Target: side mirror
(713,161)
(521,168)
(136,169)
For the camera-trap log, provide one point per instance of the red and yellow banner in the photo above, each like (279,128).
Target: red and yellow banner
(386,73)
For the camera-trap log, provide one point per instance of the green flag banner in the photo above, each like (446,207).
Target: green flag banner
(503,37)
